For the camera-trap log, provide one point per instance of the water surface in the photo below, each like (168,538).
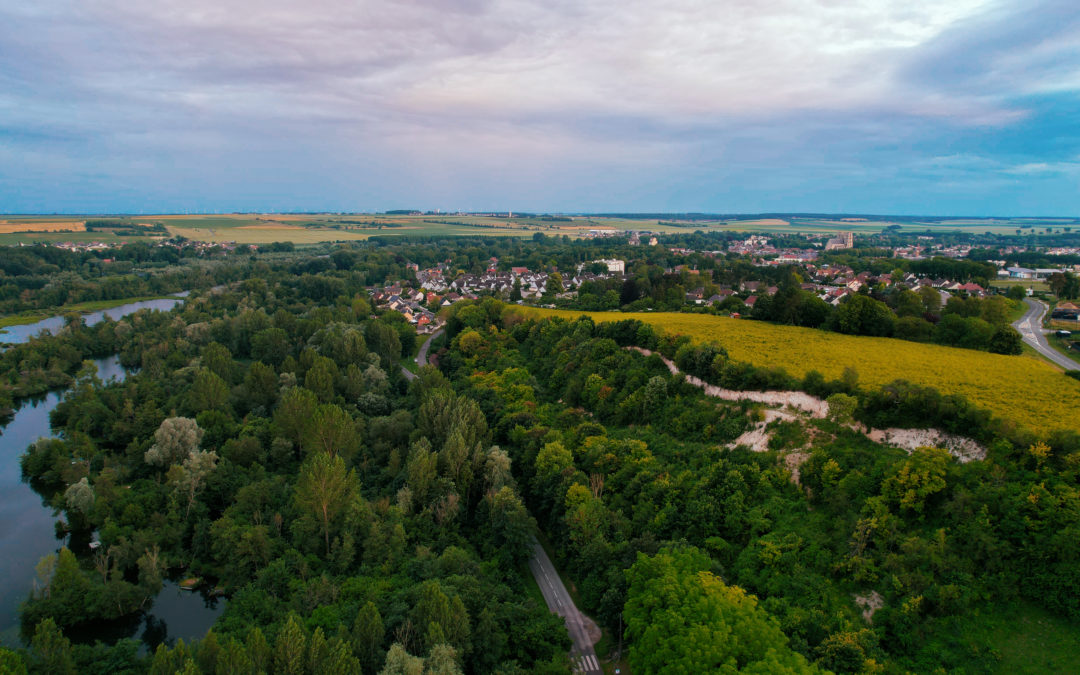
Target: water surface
(23,333)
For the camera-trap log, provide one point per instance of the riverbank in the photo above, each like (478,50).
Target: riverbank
(36,315)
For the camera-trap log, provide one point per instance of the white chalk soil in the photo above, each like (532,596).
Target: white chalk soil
(757,438)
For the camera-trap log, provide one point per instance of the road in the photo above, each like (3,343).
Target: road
(1030,327)
(558,600)
(582,655)
(421,356)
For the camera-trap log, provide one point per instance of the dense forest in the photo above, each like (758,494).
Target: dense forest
(358,520)
(619,463)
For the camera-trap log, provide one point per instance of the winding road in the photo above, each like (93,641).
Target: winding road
(421,356)
(1030,327)
(582,655)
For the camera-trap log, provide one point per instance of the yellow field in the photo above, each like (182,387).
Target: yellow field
(9,226)
(1025,389)
(255,234)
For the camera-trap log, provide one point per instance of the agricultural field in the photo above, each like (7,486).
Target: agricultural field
(59,229)
(314,228)
(103,236)
(1024,389)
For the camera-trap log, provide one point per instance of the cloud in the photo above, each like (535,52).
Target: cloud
(475,96)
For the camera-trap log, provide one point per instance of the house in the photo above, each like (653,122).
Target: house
(972,289)
(751,301)
(1066,311)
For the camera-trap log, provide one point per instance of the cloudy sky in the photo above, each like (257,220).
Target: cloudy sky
(858,106)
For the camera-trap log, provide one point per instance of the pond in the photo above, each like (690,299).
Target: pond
(27,533)
(18,334)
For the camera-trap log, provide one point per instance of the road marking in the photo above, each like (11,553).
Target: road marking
(586,664)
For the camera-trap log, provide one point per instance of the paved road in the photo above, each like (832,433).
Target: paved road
(558,600)
(1030,327)
(421,357)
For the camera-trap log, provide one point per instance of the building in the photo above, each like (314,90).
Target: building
(841,241)
(613,265)
(1021,273)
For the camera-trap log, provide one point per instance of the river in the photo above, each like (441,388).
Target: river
(18,334)
(27,530)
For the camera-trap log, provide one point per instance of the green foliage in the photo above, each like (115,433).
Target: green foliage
(326,491)
(175,440)
(50,651)
(862,315)
(681,618)
(842,408)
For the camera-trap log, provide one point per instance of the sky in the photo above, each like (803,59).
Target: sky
(921,107)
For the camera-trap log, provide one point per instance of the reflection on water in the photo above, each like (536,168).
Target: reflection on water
(27,534)
(23,333)
(26,522)
(175,615)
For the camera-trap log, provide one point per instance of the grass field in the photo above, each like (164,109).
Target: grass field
(105,237)
(315,228)
(1024,389)
(1027,640)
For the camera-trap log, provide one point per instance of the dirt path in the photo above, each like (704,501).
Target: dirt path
(793,402)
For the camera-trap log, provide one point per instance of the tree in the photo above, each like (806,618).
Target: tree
(510,526)
(333,431)
(50,651)
(188,478)
(290,648)
(401,662)
(919,478)
(217,359)
(1016,292)
(79,497)
(1006,340)
(914,328)
(367,636)
(995,310)
(11,662)
(208,392)
(931,299)
(270,345)
(436,614)
(422,470)
(175,440)
(384,341)
(681,618)
(260,386)
(496,468)
(294,414)
(326,490)
(908,303)
(1064,285)
(554,283)
(321,379)
(842,408)
(862,315)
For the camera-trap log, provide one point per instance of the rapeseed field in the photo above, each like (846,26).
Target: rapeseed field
(1024,389)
